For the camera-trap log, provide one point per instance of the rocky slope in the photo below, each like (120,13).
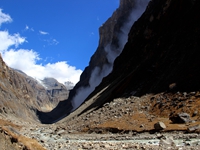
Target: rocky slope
(155,77)
(22,95)
(113,36)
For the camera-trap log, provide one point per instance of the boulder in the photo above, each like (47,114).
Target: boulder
(180,118)
(159,126)
(193,128)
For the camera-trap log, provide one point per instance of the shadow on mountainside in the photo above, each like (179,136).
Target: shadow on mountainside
(59,112)
(161,55)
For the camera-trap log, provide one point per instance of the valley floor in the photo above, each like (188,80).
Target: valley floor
(124,123)
(53,137)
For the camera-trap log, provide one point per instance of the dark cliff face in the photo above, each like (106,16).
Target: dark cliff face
(161,55)
(164,51)
(113,35)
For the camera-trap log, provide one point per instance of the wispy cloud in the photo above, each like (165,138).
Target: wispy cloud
(54,42)
(4,17)
(43,32)
(27,28)
(51,41)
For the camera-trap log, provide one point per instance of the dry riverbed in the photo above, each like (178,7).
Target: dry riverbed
(54,137)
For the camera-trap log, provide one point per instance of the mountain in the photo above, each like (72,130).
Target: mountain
(69,85)
(155,76)
(21,95)
(56,91)
(113,36)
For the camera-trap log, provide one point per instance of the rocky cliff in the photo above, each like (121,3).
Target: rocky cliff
(156,74)
(113,36)
(21,95)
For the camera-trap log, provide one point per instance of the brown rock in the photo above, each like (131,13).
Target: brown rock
(159,126)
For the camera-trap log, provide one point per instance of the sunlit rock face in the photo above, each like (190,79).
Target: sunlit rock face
(17,96)
(21,95)
(56,91)
(47,92)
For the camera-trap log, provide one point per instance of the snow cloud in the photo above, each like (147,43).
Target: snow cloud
(26,60)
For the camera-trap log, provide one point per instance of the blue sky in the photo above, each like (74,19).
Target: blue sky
(57,35)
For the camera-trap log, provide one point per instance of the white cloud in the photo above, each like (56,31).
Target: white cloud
(26,59)
(7,40)
(27,28)
(4,17)
(43,32)
(60,70)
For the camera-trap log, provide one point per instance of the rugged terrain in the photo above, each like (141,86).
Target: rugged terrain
(155,77)
(150,100)
(161,56)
